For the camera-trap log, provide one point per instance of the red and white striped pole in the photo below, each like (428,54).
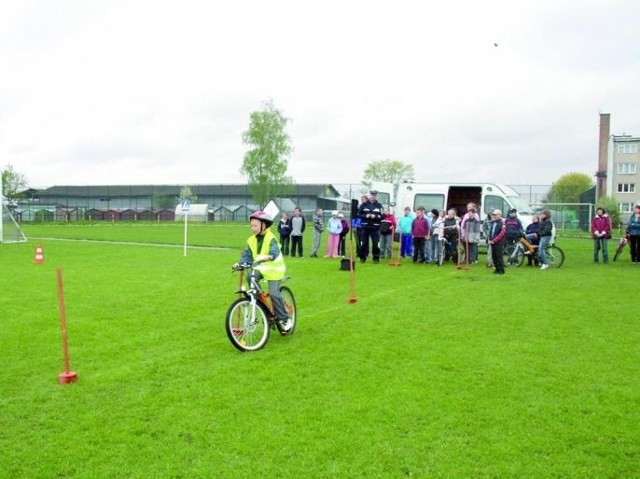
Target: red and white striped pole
(67,376)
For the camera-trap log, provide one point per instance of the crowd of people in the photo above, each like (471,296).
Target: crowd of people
(423,234)
(375,226)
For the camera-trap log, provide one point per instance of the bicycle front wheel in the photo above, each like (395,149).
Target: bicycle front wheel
(555,256)
(512,256)
(246,325)
(290,305)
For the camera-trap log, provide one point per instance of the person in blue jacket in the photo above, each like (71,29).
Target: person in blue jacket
(633,230)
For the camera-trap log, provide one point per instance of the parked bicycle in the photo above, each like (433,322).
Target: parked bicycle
(514,254)
(251,317)
(447,250)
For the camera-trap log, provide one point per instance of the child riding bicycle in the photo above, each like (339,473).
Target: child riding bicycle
(262,247)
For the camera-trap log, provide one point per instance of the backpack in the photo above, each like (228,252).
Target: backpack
(385,228)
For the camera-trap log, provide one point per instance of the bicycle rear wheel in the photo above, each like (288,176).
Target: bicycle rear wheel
(555,256)
(290,305)
(247,331)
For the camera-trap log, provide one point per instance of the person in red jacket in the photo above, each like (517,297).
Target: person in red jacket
(419,232)
(600,232)
(497,239)
(387,228)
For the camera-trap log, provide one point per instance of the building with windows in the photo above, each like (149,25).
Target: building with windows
(623,175)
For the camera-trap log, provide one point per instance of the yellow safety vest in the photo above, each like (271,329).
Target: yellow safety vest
(271,270)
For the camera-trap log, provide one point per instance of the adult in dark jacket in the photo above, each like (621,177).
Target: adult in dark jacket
(497,239)
(342,248)
(370,214)
(514,226)
(545,234)
(531,233)
(284,228)
(633,230)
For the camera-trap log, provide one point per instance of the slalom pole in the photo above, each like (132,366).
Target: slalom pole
(458,266)
(397,259)
(67,376)
(467,253)
(352,278)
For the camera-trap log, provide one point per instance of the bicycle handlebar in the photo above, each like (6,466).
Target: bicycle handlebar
(243,266)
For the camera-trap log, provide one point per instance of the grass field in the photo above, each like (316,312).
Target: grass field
(433,372)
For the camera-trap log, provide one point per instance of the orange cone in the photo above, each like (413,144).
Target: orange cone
(39,256)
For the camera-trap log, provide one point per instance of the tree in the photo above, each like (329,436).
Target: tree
(569,187)
(389,171)
(13,183)
(186,194)
(266,162)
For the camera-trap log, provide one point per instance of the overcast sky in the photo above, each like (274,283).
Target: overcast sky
(159,92)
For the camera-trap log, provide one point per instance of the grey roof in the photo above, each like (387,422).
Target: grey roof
(174,190)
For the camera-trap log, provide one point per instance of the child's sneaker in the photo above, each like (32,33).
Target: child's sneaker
(544,266)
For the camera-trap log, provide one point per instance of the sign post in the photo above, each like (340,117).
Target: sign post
(186,204)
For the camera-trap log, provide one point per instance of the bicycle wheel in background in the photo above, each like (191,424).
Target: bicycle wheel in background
(512,256)
(244,332)
(555,256)
(290,304)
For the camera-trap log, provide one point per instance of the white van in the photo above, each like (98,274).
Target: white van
(443,196)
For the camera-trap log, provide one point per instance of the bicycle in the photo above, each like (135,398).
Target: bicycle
(514,254)
(448,245)
(251,317)
(623,241)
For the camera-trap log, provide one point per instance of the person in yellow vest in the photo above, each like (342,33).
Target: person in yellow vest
(263,247)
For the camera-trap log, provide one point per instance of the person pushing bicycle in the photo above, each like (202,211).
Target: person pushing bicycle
(262,247)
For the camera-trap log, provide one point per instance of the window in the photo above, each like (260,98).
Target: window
(626,168)
(627,148)
(492,202)
(626,207)
(429,201)
(626,187)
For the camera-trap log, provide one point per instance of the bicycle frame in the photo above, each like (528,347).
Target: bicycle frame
(255,294)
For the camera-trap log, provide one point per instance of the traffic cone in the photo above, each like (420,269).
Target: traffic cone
(39,256)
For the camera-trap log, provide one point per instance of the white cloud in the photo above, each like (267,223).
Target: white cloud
(138,92)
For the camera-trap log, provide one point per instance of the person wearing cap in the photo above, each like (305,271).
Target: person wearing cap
(334,227)
(545,232)
(514,226)
(370,215)
(262,246)
(497,235)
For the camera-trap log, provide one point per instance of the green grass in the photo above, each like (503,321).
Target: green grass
(433,372)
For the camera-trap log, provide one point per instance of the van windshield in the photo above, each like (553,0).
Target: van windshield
(521,205)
